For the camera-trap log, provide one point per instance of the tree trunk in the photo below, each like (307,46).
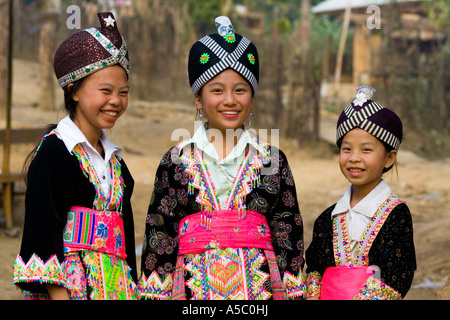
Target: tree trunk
(46,51)
(4,56)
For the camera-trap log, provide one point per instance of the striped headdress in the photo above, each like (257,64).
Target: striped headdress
(217,52)
(371,117)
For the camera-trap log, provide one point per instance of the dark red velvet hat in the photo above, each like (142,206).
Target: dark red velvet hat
(91,50)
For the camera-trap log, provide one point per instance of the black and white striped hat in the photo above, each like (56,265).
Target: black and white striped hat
(371,117)
(217,52)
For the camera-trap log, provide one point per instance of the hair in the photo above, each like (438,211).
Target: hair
(70,106)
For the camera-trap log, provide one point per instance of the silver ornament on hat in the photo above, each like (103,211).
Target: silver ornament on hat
(363,93)
(224,26)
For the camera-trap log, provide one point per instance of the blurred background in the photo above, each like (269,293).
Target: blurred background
(313,54)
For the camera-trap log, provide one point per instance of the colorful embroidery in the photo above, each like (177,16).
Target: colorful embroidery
(199,179)
(375,289)
(228,273)
(295,286)
(369,235)
(314,284)
(116,190)
(247,178)
(35,270)
(153,288)
(76,277)
(108,276)
(88,229)
(342,252)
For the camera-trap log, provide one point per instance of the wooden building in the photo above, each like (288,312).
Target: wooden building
(371,20)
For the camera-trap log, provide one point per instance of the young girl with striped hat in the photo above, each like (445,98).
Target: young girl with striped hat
(362,246)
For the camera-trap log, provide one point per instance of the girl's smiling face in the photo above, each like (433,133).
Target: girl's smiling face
(362,158)
(226,101)
(101,99)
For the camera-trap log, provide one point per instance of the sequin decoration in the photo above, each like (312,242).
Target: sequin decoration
(375,289)
(118,56)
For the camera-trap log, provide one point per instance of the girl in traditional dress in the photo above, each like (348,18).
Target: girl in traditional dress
(362,246)
(78,238)
(223,220)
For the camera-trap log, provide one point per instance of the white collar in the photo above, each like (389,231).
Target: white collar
(200,139)
(71,135)
(368,205)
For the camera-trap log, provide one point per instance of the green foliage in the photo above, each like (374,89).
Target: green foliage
(438,12)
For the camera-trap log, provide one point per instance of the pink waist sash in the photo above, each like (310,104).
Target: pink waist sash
(225,230)
(344,283)
(89,229)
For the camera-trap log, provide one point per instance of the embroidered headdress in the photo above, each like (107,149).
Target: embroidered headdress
(214,53)
(91,50)
(371,117)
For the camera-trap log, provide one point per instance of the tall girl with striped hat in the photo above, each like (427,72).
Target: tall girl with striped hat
(223,220)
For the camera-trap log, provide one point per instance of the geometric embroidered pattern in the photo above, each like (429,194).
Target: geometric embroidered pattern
(342,252)
(295,286)
(230,274)
(375,289)
(35,270)
(153,288)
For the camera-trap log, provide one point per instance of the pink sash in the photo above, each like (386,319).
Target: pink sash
(344,283)
(89,229)
(225,229)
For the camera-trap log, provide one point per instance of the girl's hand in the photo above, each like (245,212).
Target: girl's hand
(57,293)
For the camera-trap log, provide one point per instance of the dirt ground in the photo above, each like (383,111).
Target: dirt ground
(144,133)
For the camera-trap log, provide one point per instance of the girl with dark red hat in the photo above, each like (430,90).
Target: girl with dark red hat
(223,221)
(362,246)
(78,238)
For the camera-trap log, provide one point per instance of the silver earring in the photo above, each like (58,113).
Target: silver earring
(200,115)
(250,121)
